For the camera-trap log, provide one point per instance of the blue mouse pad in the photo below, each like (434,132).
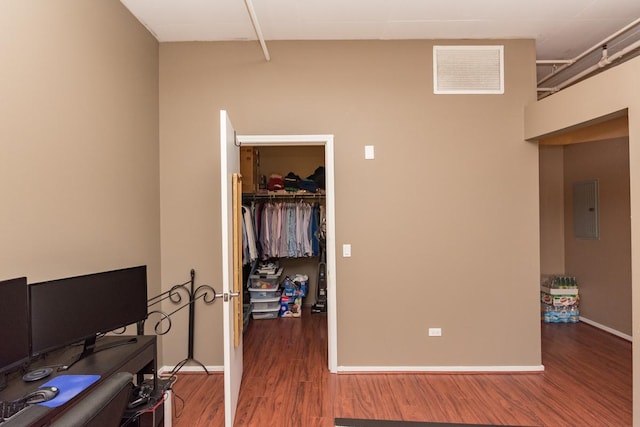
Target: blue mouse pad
(70,386)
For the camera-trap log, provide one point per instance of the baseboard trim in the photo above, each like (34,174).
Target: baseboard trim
(606,329)
(441,369)
(196,369)
(386,369)
(425,369)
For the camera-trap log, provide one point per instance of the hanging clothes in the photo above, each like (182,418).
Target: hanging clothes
(249,247)
(283,229)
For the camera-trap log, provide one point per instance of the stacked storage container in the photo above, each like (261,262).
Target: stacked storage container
(559,297)
(265,295)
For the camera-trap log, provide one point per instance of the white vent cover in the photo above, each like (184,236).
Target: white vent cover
(468,69)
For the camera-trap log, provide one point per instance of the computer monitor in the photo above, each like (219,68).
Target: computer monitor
(75,309)
(14,324)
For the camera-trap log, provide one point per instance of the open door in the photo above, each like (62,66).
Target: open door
(230,191)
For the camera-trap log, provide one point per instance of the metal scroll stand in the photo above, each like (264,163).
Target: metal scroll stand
(209,296)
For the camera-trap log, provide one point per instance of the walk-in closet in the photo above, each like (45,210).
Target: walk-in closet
(284,233)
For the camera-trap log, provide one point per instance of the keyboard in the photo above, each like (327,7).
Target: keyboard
(9,409)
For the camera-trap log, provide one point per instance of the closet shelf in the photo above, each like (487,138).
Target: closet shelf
(284,194)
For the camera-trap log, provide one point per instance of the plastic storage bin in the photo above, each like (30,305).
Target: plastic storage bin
(258,294)
(265,304)
(265,281)
(266,314)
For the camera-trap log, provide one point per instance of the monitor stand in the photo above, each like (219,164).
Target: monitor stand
(37,374)
(90,348)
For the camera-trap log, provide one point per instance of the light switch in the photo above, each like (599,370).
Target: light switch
(346,250)
(369,152)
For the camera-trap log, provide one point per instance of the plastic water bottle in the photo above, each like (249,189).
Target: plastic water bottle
(563,315)
(574,314)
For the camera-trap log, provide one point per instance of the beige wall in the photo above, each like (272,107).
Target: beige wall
(444,223)
(603,266)
(551,209)
(606,93)
(78,140)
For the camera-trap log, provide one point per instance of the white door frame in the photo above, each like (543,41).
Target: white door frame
(327,142)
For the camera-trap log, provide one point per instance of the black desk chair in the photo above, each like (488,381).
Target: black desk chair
(102,407)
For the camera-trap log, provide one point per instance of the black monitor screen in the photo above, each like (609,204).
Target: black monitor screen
(66,311)
(14,323)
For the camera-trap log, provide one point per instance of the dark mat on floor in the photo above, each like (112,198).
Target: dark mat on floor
(350,422)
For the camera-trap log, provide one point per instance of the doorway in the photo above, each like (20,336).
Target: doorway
(325,141)
(597,152)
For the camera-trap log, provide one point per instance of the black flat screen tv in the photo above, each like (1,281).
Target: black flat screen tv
(76,309)
(14,324)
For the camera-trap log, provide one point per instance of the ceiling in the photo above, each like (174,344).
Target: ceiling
(563,29)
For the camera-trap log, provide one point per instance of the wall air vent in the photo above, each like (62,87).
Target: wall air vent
(468,69)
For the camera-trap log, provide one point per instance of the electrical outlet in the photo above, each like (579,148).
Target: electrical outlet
(435,332)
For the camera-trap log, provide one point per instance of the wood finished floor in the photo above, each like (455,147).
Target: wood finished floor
(587,382)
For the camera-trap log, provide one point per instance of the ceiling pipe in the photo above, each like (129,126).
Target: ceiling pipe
(604,62)
(256,28)
(554,61)
(570,62)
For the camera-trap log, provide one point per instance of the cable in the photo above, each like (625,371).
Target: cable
(156,405)
(130,419)
(177,413)
(151,409)
(172,378)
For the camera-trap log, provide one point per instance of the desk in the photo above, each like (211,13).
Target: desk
(138,357)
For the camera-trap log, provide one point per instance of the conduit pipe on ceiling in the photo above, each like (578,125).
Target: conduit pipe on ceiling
(256,28)
(554,61)
(570,62)
(604,61)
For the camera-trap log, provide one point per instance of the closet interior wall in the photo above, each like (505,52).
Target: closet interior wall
(265,161)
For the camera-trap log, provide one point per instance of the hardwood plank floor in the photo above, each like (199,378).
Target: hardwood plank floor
(587,382)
